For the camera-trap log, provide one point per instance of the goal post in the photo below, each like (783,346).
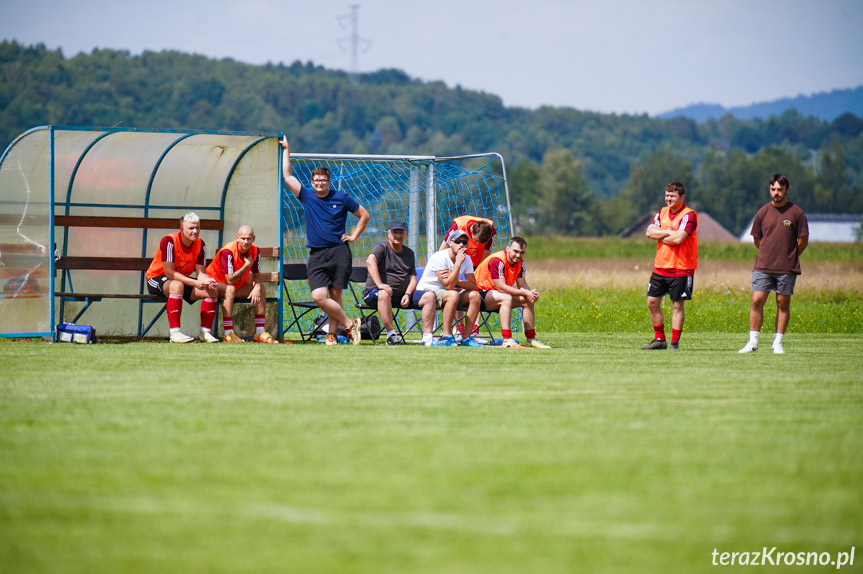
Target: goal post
(424,191)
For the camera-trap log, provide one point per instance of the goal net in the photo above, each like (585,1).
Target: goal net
(427,193)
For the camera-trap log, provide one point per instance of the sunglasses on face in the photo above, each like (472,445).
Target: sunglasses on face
(460,241)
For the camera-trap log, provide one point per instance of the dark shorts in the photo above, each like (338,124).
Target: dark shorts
(782,283)
(482,294)
(370,298)
(156,287)
(330,267)
(677,288)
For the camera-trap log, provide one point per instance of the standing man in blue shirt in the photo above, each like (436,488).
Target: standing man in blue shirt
(330,261)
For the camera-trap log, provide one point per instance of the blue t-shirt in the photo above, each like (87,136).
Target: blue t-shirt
(325,218)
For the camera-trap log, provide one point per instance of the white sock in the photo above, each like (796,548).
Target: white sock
(175,330)
(753,337)
(427,337)
(778,339)
(206,329)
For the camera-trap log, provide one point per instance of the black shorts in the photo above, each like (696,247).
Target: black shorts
(482,294)
(156,287)
(370,298)
(677,288)
(330,267)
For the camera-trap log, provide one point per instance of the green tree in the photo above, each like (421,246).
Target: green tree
(565,200)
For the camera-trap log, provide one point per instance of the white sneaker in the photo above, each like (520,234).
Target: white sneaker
(537,344)
(178,337)
(750,347)
(777,349)
(207,337)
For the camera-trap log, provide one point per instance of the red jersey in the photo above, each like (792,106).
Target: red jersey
(228,259)
(474,250)
(172,250)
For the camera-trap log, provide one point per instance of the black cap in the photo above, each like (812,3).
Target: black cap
(395,224)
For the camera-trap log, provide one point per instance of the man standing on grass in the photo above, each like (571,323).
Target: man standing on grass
(442,277)
(330,260)
(181,254)
(237,271)
(392,283)
(781,233)
(674,229)
(502,285)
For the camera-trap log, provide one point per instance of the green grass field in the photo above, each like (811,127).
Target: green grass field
(591,457)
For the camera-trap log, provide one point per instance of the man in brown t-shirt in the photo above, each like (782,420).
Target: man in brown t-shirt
(781,233)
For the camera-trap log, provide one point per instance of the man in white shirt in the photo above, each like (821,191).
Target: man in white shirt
(441,277)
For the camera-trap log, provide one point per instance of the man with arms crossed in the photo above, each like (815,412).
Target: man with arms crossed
(169,276)
(392,283)
(781,233)
(330,261)
(674,229)
(502,285)
(441,277)
(231,268)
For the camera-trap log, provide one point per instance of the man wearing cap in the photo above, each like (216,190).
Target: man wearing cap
(392,283)
(442,277)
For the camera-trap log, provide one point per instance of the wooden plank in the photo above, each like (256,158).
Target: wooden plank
(82,296)
(7,248)
(269,251)
(104,263)
(8,273)
(132,222)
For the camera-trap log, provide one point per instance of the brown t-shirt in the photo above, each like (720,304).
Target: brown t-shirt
(779,228)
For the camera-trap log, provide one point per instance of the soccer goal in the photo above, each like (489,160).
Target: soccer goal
(426,192)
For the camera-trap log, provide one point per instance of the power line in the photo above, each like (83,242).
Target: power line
(355,41)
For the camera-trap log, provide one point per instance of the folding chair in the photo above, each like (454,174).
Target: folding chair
(360,275)
(297,272)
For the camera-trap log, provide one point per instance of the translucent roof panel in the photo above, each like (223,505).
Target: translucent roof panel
(26,252)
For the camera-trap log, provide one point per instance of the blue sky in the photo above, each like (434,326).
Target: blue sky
(620,56)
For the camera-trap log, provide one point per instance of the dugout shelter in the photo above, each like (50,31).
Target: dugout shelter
(51,175)
(131,176)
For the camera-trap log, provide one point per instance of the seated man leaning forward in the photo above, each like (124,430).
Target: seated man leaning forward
(501,283)
(392,283)
(180,255)
(231,268)
(441,277)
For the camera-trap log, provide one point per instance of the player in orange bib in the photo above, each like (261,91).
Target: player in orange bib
(480,238)
(180,255)
(237,271)
(674,229)
(501,282)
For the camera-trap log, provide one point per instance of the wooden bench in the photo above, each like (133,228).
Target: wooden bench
(91,263)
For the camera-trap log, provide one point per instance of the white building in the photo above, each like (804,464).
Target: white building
(824,228)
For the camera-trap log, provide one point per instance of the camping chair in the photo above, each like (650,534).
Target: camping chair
(360,275)
(297,272)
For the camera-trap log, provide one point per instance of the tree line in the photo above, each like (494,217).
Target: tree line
(570,171)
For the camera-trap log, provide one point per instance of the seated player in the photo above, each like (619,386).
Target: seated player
(502,286)
(441,277)
(180,255)
(392,283)
(237,271)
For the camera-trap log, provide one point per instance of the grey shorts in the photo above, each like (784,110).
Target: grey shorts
(782,283)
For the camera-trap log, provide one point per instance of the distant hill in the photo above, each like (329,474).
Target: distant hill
(825,106)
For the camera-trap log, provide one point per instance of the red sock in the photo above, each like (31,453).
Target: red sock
(506,333)
(675,335)
(208,312)
(228,324)
(260,323)
(530,333)
(175,309)
(660,332)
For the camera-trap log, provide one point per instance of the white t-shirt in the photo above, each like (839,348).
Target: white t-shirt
(441,261)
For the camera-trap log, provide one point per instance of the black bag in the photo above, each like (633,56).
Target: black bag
(320,326)
(370,328)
